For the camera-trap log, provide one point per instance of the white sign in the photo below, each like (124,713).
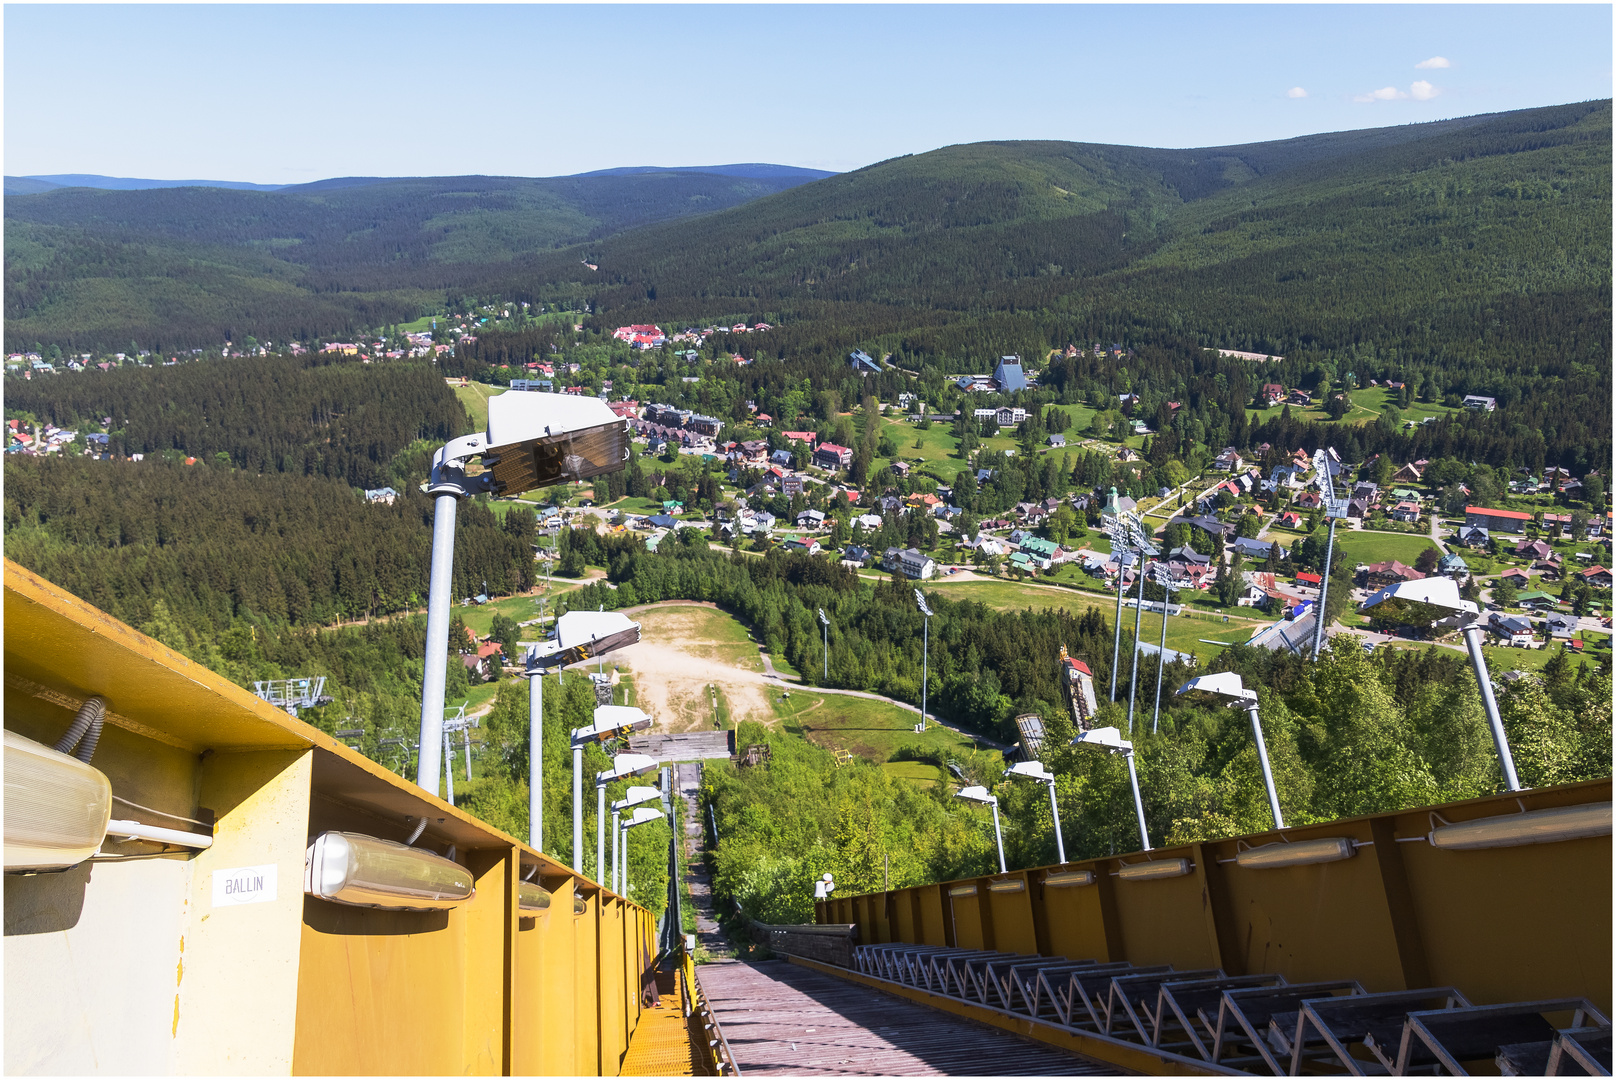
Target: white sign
(244,885)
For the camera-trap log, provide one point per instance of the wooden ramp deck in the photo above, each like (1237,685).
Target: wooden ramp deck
(782,1019)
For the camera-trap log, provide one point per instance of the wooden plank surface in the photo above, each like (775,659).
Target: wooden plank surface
(782,1019)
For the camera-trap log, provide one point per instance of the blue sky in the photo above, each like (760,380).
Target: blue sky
(298,92)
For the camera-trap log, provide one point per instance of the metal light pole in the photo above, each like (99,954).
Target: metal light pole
(1443,593)
(979,794)
(925,656)
(1111,741)
(1334,509)
(1034,770)
(1324,592)
(1116,641)
(825,624)
(600,829)
(1133,658)
(617,862)
(1227,684)
(535,751)
(577,805)
(1164,578)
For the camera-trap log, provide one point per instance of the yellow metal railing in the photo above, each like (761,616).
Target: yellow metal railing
(136,966)
(1501,923)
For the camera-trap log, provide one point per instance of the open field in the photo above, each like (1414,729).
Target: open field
(474,396)
(918,772)
(1373,547)
(685,651)
(869,729)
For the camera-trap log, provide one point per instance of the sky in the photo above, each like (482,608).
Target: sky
(282,94)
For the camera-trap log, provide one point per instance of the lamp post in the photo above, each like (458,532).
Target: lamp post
(1443,593)
(1111,741)
(631,798)
(532,440)
(825,623)
(925,658)
(979,794)
(611,722)
(1116,528)
(535,750)
(623,767)
(1034,770)
(1335,509)
(1169,584)
(1133,658)
(644,815)
(1227,684)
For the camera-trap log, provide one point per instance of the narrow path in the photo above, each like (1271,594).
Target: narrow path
(782,1019)
(688,778)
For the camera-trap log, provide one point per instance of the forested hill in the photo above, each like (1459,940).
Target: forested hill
(94,268)
(1487,239)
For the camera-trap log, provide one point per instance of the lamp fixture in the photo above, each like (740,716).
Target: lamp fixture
(585,635)
(962,890)
(579,904)
(532,897)
(1155,868)
(539,439)
(612,722)
(363,871)
(1068,878)
(1007,885)
(1515,830)
(57,807)
(1300,853)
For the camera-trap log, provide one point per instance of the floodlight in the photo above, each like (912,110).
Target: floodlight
(579,904)
(585,635)
(824,887)
(822,619)
(635,796)
(1029,770)
(1156,868)
(1007,885)
(1531,827)
(532,897)
(1442,592)
(1108,739)
(362,871)
(1300,853)
(1069,878)
(539,439)
(612,722)
(921,600)
(1225,684)
(625,766)
(962,890)
(57,807)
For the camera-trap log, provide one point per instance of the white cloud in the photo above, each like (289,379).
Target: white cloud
(1434,62)
(1423,91)
(1385,93)
(1296,92)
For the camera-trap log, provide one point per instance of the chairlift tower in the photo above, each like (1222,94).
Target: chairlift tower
(293,694)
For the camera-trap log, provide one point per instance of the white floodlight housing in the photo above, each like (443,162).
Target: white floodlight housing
(824,887)
(1029,770)
(1154,869)
(1440,592)
(1531,827)
(1067,878)
(362,871)
(532,897)
(822,619)
(1014,884)
(977,793)
(635,796)
(57,807)
(921,600)
(539,439)
(586,635)
(1224,684)
(1300,853)
(612,722)
(643,816)
(1106,738)
(625,766)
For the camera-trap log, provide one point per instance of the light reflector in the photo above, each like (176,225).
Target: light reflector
(57,807)
(532,897)
(1301,853)
(539,439)
(1067,878)
(1506,830)
(1155,868)
(351,868)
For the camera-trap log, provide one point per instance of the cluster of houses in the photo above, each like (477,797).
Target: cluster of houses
(51,439)
(1008,376)
(650,336)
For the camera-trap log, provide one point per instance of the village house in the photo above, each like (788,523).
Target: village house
(833,457)
(1596,576)
(1512,521)
(1378,575)
(910,562)
(1514,629)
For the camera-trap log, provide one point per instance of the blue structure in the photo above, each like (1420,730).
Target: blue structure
(863,363)
(1008,375)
